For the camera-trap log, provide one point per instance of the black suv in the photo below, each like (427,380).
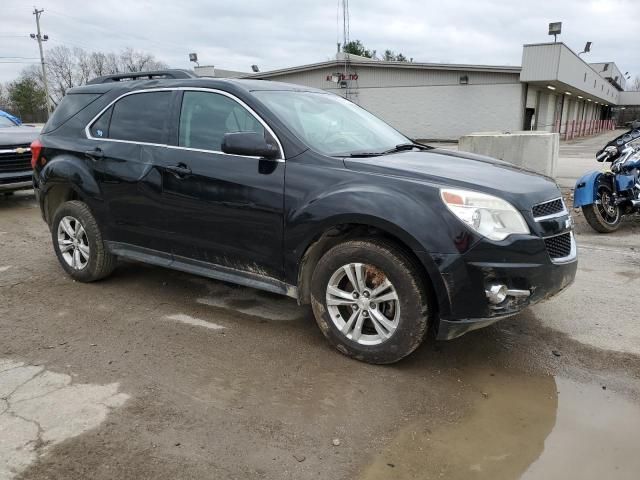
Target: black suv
(300,192)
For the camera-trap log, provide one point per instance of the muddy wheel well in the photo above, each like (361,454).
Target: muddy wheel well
(336,235)
(56,196)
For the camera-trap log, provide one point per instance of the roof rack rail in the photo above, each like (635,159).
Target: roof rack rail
(175,74)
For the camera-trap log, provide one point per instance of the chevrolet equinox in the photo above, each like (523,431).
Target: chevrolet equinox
(300,192)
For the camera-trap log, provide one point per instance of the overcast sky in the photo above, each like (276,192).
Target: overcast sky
(281,33)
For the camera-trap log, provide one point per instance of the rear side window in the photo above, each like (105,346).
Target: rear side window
(205,118)
(141,117)
(100,128)
(70,105)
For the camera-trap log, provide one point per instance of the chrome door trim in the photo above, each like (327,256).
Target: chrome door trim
(193,89)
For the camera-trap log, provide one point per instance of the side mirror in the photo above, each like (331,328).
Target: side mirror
(250,144)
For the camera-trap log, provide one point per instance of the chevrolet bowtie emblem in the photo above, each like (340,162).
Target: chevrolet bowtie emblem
(21,150)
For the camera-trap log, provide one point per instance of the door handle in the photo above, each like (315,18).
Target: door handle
(94,154)
(180,170)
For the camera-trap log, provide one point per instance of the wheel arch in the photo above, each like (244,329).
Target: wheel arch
(66,178)
(342,229)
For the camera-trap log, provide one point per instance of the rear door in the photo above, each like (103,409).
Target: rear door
(129,140)
(223,209)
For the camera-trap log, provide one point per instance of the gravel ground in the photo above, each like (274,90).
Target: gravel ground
(159,374)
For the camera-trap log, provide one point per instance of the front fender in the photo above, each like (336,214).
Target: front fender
(586,189)
(412,212)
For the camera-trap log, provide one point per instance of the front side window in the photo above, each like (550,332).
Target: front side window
(140,117)
(330,124)
(205,117)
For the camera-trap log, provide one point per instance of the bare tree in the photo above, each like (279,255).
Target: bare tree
(103,63)
(133,61)
(5,102)
(62,69)
(68,68)
(635,86)
(84,70)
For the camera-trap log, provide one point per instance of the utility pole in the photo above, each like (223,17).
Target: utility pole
(42,38)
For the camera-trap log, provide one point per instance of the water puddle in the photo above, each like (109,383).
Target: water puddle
(251,302)
(519,426)
(596,436)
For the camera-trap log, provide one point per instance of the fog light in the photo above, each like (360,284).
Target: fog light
(497,293)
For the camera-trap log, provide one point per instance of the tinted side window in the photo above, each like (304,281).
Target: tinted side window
(100,128)
(68,107)
(206,117)
(140,117)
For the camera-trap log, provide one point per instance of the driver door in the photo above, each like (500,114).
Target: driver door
(222,209)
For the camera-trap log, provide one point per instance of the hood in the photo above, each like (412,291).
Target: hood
(520,187)
(22,135)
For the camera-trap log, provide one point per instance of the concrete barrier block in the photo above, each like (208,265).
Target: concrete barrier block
(536,151)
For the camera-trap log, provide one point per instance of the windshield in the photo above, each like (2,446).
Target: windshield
(5,122)
(330,124)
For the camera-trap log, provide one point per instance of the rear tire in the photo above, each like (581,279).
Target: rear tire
(604,217)
(78,243)
(370,300)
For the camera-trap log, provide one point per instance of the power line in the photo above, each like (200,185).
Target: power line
(66,42)
(122,35)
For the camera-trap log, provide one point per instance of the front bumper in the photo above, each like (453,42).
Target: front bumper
(522,264)
(11,181)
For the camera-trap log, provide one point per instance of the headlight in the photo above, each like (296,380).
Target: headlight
(490,216)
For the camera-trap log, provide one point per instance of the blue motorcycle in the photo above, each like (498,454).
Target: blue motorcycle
(605,197)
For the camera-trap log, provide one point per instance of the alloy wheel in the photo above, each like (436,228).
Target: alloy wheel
(73,243)
(363,304)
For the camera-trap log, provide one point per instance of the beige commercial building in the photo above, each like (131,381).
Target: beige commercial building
(553,90)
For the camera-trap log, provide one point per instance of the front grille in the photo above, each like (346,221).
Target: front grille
(559,246)
(548,208)
(12,161)
(14,146)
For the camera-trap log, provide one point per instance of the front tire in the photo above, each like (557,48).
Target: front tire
(370,300)
(78,243)
(603,215)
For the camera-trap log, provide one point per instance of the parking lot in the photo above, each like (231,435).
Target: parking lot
(158,374)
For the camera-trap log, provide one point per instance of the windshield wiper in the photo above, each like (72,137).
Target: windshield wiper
(398,148)
(406,146)
(365,154)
